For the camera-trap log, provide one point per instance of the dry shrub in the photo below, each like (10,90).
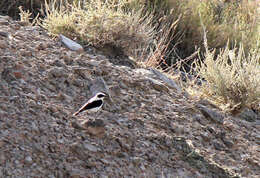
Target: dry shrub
(101,23)
(236,21)
(232,78)
(166,33)
(11,7)
(159,53)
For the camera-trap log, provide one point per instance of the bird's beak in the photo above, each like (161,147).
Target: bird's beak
(106,95)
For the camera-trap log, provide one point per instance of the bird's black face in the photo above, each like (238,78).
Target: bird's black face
(101,95)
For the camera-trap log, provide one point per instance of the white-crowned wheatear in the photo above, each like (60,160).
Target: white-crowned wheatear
(93,104)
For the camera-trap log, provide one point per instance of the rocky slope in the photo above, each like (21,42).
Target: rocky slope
(151,128)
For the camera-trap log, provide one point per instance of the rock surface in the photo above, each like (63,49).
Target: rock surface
(152,130)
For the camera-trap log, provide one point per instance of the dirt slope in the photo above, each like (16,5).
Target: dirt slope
(152,130)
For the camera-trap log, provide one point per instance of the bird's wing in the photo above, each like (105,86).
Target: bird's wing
(80,109)
(92,103)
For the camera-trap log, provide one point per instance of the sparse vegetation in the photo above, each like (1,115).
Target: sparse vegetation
(167,34)
(101,23)
(232,79)
(11,7)
(233,21)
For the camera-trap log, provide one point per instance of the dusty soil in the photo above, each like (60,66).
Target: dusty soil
(151,128)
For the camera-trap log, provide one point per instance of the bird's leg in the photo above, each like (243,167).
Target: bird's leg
(97,114)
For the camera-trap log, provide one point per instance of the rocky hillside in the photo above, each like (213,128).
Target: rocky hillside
(148,127)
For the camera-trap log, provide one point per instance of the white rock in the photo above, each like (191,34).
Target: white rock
(28,159)
(72,45)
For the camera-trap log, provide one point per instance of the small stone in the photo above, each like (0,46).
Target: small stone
(58,63)
(95,127)
(34,127)
(221,134)
(205,136)
(249,115)
(15,26)
(61,141)
(25,53)
(23,23)
(90,147)
(5,17)
(18,75)
(105,161)
(2,143)
(51,176)
(228,124)
(7,75)
(200,119)
(137,161)
(211,114)
(4,34)
(3,44)
(228,143)
(170,83)
(72,45)
(157,85)
(76,125)
(99,84)
(41,46)
(211,130)
(28,160)
(4,22)
(67,60)
(103,176)
(57,72)
(218,146)
(257,137)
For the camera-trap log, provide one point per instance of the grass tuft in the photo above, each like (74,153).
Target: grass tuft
(232,78)
(235,21)
(100,23)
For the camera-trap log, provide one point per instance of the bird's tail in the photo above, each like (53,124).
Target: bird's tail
(76,113)
(79,111)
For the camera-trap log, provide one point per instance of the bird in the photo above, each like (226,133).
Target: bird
(94,104)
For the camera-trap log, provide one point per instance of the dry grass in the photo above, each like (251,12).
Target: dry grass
(158,55)
(142,32)
(101,23)
(149,35)
(165,39)
(11,7)
(232,79)
(236,21)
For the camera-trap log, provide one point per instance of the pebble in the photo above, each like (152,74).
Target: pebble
(51,176)
(34,127)
(137,161)
(228,143)
(205,136)
(90,147)
(218,146)
(4,22)
(3,44)
(28,160)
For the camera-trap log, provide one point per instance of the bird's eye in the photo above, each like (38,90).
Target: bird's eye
(100,95)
